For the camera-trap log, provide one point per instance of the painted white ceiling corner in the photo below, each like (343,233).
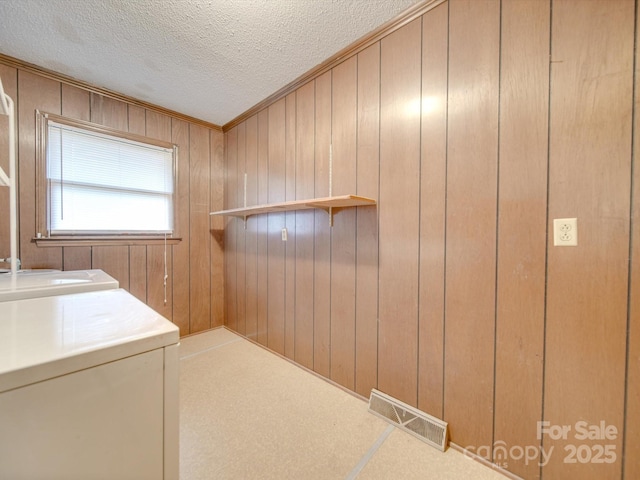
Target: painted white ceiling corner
(209,59)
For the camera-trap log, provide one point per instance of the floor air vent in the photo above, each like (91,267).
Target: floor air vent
(422,425)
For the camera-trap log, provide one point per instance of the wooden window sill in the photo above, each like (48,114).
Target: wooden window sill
(78,241)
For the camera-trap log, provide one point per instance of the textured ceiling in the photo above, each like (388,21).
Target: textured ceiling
(209,59)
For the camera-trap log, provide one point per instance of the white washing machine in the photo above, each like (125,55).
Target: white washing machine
(31,284)
(88,388)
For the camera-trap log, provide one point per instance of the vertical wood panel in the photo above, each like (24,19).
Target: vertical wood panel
(368,165)
(290,224)
(251,243)
(137,119)
(218,288)
(114,260)
(180,254)
(589,165)
(76,103)
(159,295)
(343,233)
(275,245)
(471,220)
(158,126)
(112,113)
(432,210)
(322,237)
(137,271)
(109,112)
(524,101)
(35,93)
(76,258)
(631,466)
(399,211)
(304,235)
(159,259)
(9,78)
(241,320)
(200,246)
(262,225)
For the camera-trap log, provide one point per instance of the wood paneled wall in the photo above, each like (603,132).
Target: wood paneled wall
(195,289)
(474,127)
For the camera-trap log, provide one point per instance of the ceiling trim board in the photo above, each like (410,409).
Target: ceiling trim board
(59,77)
(369,39)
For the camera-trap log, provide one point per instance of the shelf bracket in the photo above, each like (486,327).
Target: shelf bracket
(331,211)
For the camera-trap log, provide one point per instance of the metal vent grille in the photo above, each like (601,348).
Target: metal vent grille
(422,425)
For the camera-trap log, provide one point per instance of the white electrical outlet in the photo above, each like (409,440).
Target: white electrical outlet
(284,234)
(565,232)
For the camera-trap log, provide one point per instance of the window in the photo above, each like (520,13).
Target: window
(98,181)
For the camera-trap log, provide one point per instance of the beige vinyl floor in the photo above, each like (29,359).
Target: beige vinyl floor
(246,413)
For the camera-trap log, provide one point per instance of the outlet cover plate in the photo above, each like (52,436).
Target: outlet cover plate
(565,232)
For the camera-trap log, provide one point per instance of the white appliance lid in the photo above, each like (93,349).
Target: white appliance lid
(32,284)
(46,337)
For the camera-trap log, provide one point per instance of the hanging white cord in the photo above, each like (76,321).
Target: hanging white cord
(165,269)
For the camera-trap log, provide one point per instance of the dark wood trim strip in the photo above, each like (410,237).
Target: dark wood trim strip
(369,39)
(59,77)
(103,241)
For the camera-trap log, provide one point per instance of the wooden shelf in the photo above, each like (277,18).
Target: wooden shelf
(331,205)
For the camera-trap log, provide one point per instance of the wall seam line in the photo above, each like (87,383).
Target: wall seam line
(632,185)
(446,184)
(418,323)
(497,240)
(379,208)
(546,254)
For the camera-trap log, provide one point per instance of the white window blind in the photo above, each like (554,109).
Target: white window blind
(103,184)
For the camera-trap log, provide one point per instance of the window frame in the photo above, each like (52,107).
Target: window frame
(43,236)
